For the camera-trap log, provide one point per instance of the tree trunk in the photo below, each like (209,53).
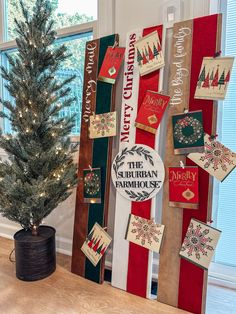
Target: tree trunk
(34,230)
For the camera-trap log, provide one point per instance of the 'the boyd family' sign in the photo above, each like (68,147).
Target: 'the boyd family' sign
(138,172)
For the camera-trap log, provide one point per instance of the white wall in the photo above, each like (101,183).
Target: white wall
(118,16)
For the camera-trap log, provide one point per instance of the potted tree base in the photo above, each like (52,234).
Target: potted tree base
(35,254)
(39,173)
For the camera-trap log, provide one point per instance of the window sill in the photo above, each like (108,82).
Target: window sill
(222,275)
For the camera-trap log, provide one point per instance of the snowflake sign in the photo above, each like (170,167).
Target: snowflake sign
(102,125)
(216,159)
(145,232)
(200,243)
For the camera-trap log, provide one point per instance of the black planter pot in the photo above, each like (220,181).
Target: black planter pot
(35,255)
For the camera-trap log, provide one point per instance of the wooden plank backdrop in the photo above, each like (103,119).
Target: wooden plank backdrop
(98,97)
(180,283)
(132,264)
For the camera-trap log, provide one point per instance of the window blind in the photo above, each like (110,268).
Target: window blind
(226,215)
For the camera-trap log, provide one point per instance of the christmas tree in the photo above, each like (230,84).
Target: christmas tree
(144,59)
(103,250)
(99,249)
(206,83)
(151,54)
(212,75)
(146,53)
(227,78)
(155,51)
(139,57)
(222,79)
(90,236)
(39,173)
(96,245)
(202,77)
(214,83)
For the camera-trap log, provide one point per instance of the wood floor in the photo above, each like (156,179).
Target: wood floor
(65,293)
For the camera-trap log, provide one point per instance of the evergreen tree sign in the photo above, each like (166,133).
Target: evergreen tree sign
(94,248)
(40,172)
(151,53)
(214,73)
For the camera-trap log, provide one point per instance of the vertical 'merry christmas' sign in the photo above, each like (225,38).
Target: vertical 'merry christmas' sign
(185,285)
(98,98)
(134,259)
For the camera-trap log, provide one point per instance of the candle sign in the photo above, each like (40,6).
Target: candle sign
(183,187)
(138,172)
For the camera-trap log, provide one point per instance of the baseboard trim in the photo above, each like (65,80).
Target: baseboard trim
(63,245)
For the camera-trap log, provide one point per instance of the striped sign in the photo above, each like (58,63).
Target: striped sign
(98,98)
(181,283)
(132,264)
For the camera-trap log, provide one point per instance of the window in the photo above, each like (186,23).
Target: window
(225,198)
(78,19)
(65,13)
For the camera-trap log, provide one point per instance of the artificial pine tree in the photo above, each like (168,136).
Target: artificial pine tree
(40,172)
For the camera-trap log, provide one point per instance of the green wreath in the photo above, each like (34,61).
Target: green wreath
(91,183)
(188,122)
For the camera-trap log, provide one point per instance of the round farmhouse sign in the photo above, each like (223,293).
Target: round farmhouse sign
(138,172)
